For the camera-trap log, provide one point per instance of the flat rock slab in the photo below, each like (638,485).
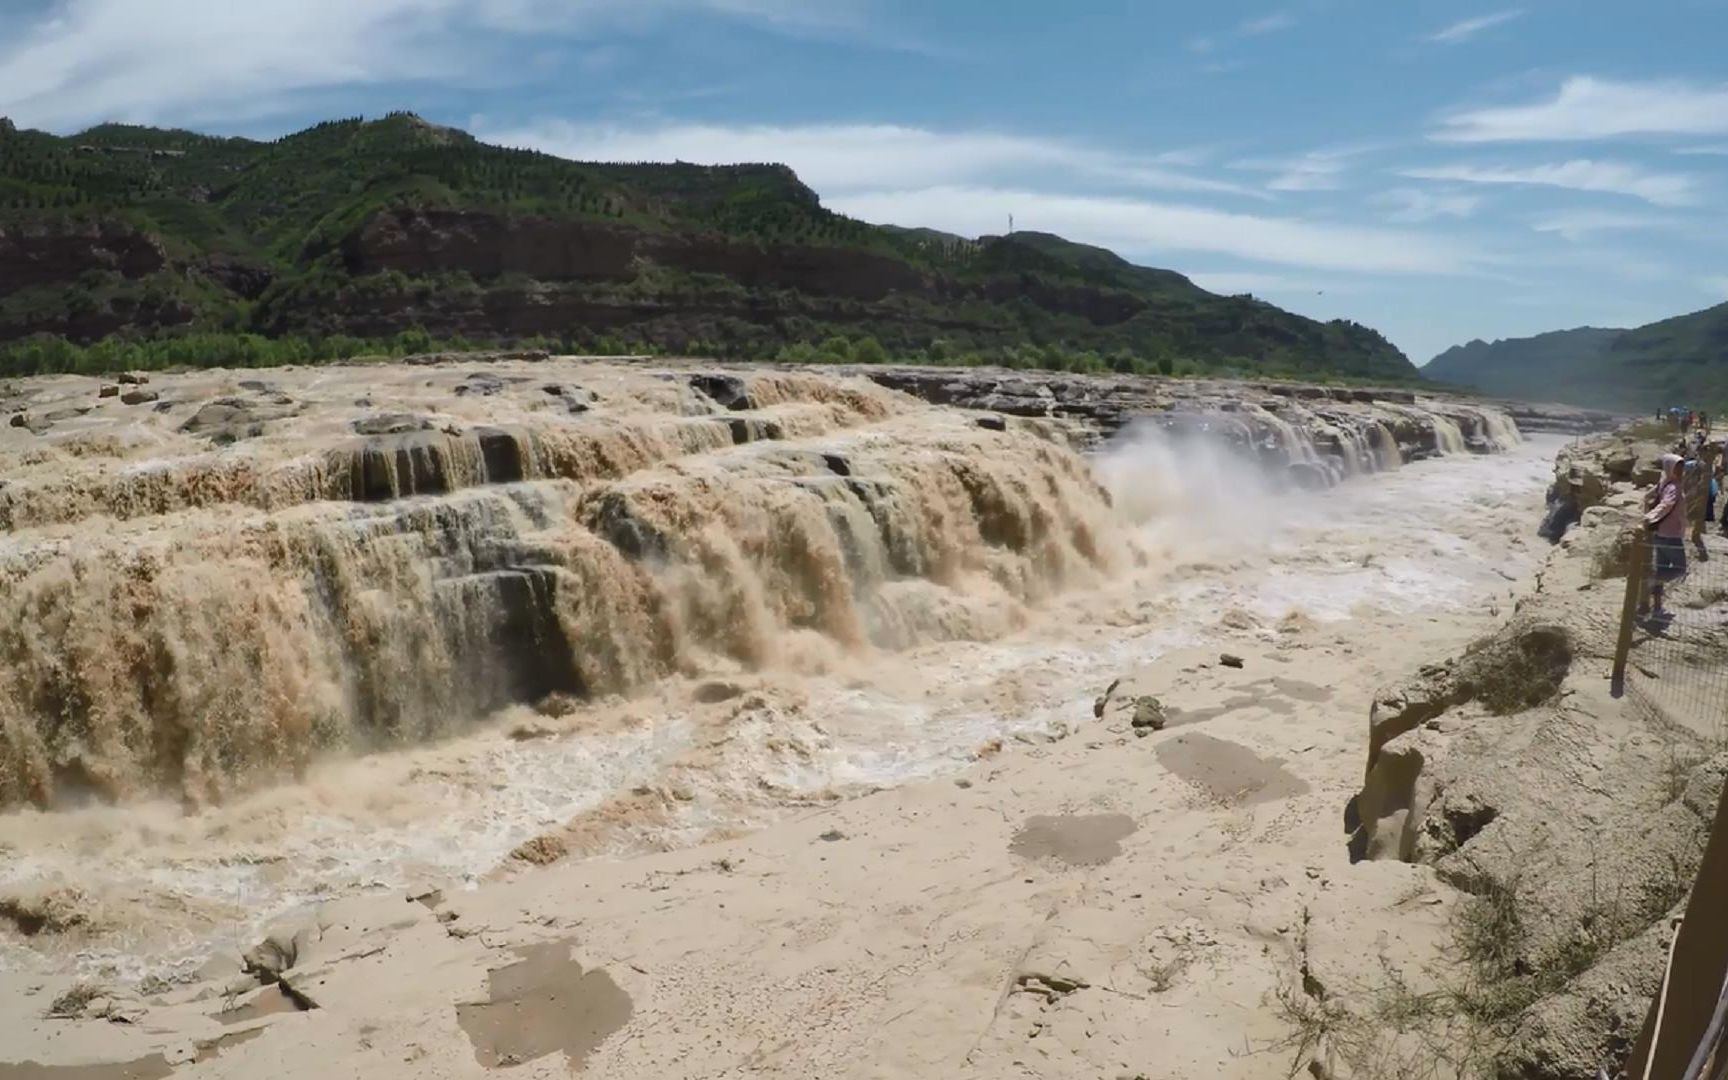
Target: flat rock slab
(543,1004)
(1073,839)
(154,1067)
(1226,771)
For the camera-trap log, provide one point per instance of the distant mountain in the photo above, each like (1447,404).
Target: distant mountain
(1678,361)
(1527,368)
(156,243)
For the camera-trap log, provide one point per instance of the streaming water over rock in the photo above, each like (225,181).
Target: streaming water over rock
(208,593)
(727,593)
(219,644)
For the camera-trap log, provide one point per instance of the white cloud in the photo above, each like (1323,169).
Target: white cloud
(1588,108)
(1412,206)
(1156,232)
(85,61)
(1611,177)
(1465,29)
(838,158)
(1316,170)
(1578,225)
(1704,151)
(1267,24)
(1200,45)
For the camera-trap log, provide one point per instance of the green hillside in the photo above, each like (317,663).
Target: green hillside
(1679,361)
(136,245)
(1532,368)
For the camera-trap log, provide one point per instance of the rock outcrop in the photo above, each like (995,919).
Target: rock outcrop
(1586,472)
(1571,820)
(1315,436)
(45,253)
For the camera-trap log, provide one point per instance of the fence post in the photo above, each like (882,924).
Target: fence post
(1696,980)
(1639,566)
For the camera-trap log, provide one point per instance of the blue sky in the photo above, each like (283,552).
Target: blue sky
(1440,171)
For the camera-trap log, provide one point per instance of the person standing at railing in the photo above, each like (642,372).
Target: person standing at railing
(1665,521)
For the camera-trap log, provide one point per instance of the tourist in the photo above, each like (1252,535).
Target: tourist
(1721,476)
(1709,504)
(1695,488)
(1666,522)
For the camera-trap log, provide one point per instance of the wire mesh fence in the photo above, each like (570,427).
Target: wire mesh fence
(1671,658)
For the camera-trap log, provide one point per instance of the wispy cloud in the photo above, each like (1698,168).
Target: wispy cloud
(1411,206)
(1720,150)
(1589,108)
(1715,285)
(1465,29)
(1316,170)
(82,61)
(1579,225)
(1267,24)
(849,157)
(1157,230)
(1610,177)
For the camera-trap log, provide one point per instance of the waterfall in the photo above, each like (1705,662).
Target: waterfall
(197,616)
(1448,436)
(1501,432)
(246,628)
(1386,454)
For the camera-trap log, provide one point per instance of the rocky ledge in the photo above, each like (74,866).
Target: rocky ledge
(1569,820)
(1314,435)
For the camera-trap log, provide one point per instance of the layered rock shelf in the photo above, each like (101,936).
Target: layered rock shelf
(215,577)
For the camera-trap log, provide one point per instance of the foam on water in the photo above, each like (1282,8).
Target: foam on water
(1215,535)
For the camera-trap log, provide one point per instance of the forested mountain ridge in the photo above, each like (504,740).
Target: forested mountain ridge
(363,231)
(1678,361)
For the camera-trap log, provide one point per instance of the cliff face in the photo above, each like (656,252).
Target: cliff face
(45,253)
(418,242)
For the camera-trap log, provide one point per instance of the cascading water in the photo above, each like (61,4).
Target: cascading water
(1386,455)
(1448,436)
(331,578)
(325,630)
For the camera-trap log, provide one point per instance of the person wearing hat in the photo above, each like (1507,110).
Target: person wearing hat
(1665,520)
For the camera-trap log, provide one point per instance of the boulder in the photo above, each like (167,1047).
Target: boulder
(280,950)
(1148,715)
(480,384)
(541,851)
(727,391)
(391,424)
(109,390)
(138,397)
(227,420)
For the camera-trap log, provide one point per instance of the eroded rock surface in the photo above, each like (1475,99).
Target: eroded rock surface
(1571,821)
